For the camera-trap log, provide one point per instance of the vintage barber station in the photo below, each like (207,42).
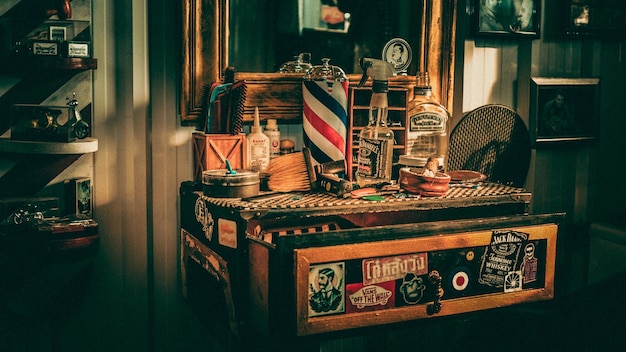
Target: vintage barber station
(411,220)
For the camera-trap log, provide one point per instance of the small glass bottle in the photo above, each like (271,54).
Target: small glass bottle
(258,146)
(273,133)
(428,127)
(376,141)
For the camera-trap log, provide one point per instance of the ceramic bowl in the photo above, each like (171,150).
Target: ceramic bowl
(412,181)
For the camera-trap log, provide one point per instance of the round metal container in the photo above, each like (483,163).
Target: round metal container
(221,184)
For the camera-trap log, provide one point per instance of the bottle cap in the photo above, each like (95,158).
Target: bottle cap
(300,64)
(271,125)
(325,72)
(256,127)
(379,70)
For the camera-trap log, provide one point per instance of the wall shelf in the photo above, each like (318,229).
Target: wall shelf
(35,76)
(64,63)
(22,63)
(80,146)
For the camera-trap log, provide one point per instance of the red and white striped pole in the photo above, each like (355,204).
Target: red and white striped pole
(325,108)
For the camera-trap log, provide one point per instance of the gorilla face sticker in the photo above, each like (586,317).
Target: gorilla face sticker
(412,288)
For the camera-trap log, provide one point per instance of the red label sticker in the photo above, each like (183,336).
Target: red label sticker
(362,298)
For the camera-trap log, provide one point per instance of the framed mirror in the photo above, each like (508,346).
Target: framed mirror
(205,55)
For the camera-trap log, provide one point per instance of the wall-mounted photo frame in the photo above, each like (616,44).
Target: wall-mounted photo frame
(505,18)
(563,110)
(58,33)
(586,18)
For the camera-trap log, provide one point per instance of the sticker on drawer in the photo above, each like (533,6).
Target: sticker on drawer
(326,289)
(227,233)
(393,268)
(372,297)
(501,258)
(204,218)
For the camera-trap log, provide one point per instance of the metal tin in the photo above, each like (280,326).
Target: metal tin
(222,184)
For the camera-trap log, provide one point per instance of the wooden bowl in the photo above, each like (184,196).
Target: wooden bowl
(412,181)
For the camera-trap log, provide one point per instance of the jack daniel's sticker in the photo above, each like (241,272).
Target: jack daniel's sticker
(371,159)
(501,258)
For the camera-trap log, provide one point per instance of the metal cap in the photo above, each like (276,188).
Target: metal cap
(325,72)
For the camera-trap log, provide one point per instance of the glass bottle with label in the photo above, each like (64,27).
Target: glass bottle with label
(376,141)
(428,127)
(258,146)
(273,133)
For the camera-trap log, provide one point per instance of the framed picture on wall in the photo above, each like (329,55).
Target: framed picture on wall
(505,18)
(586,18)
(563,110)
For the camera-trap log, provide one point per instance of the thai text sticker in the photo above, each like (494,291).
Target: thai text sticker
(383,269)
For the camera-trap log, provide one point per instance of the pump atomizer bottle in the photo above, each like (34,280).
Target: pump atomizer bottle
(325,109)
(375,158)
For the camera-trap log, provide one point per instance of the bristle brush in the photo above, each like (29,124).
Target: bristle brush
(237,102)
(292,172)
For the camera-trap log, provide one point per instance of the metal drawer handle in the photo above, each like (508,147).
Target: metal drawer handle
(435,279)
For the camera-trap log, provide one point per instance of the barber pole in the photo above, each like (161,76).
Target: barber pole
(325,109)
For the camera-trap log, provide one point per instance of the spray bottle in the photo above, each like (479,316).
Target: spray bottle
(376,141)
(258,146)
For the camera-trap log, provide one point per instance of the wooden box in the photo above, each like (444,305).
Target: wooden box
(212,150)
(263,260)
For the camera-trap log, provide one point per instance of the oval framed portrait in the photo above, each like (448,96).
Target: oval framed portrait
(397,51)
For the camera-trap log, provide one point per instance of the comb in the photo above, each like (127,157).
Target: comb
(237,104)
(219,107)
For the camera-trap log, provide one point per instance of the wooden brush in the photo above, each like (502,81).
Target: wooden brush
(237,104)
(291,172)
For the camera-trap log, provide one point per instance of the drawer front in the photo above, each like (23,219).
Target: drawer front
(370,283)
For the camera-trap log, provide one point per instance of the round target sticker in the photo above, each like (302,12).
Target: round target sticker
(460,279)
